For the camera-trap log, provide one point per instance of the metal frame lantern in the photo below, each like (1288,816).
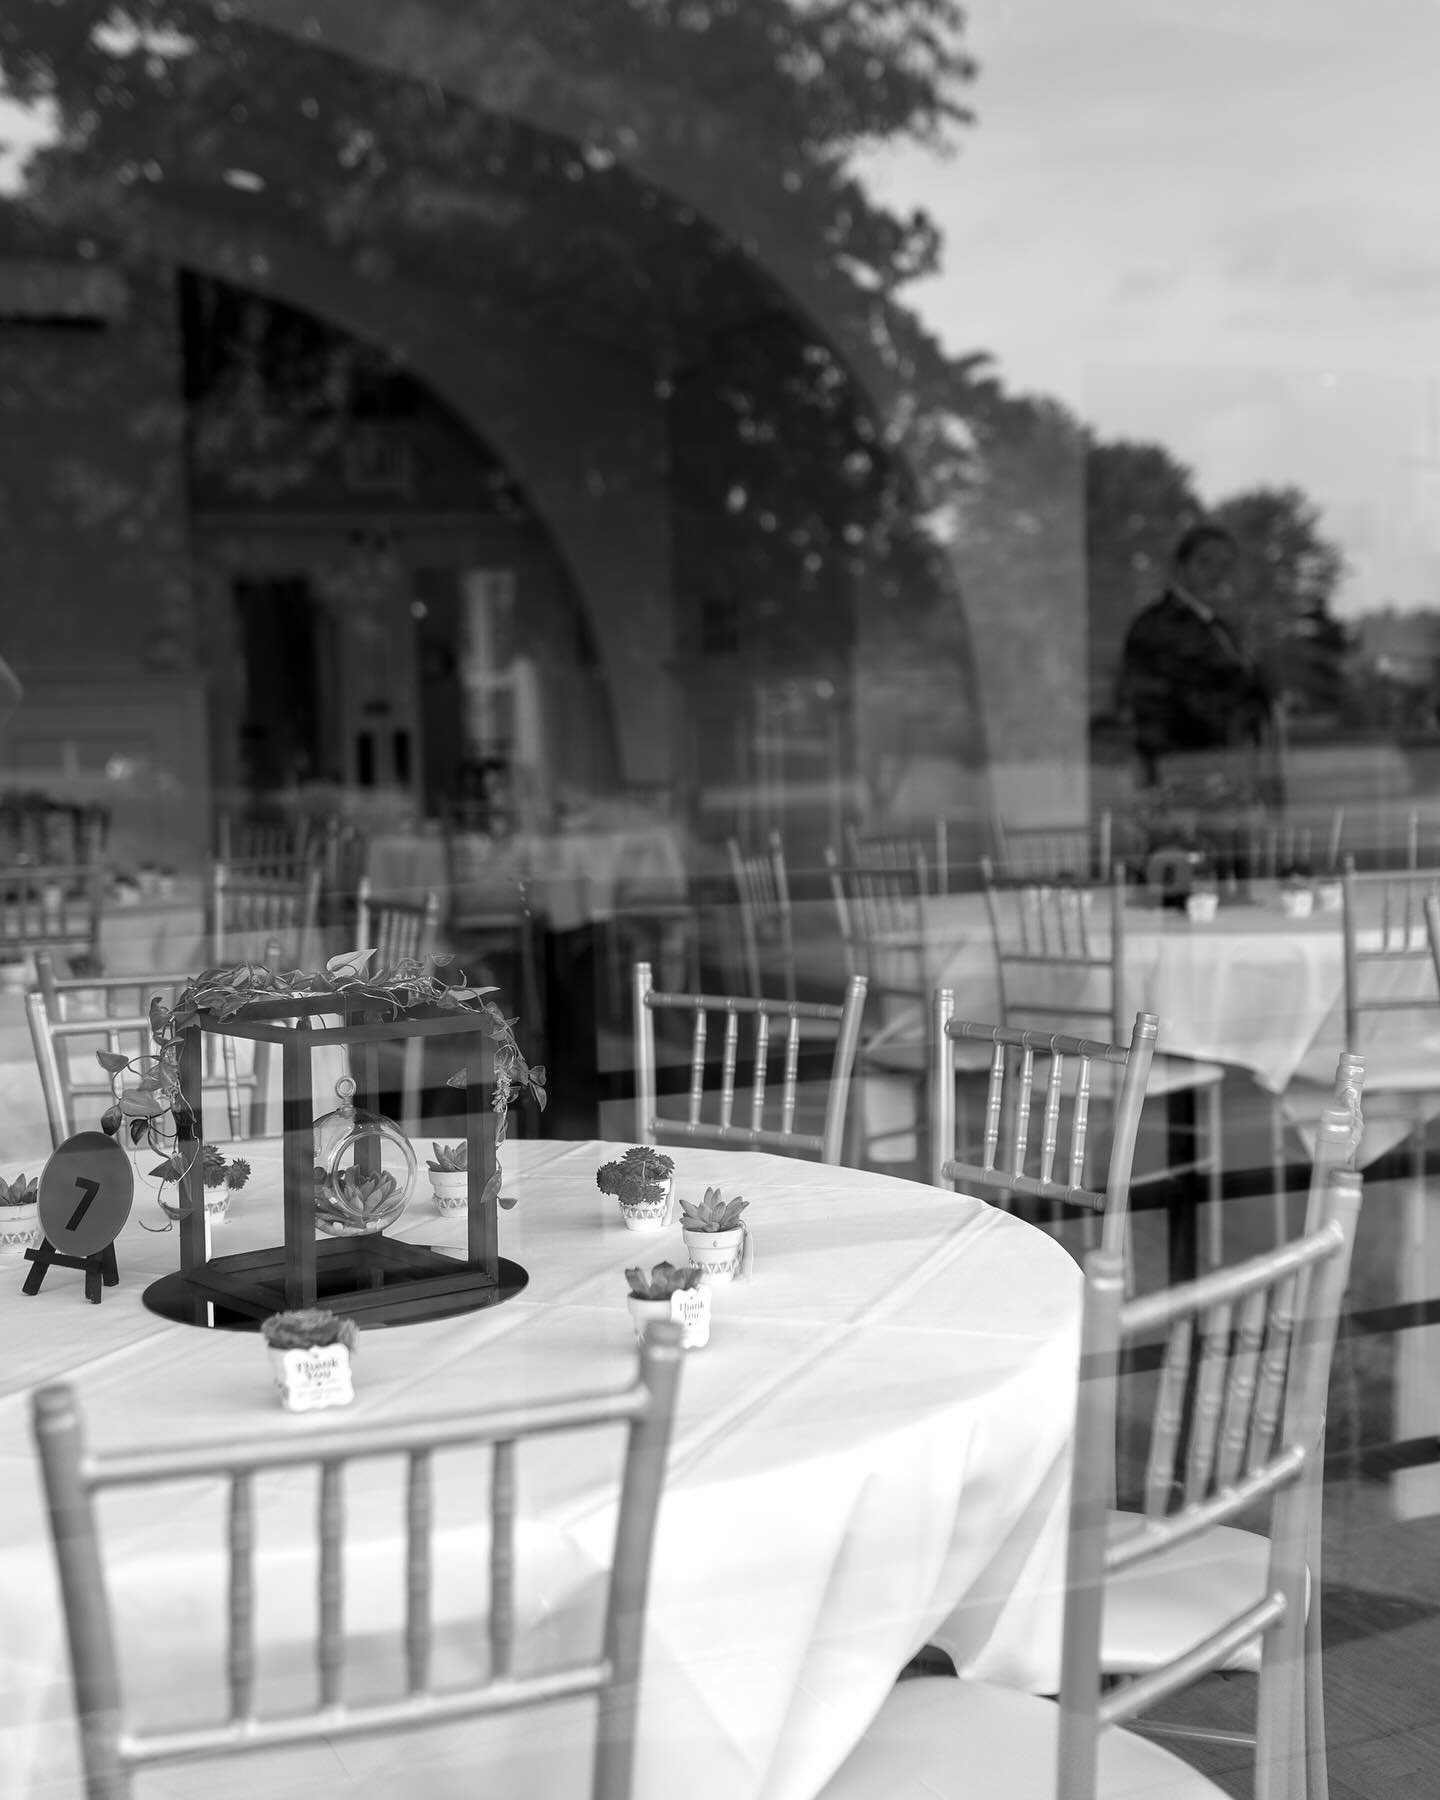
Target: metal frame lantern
(371,1278)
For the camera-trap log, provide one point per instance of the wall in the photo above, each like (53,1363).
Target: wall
(97,615)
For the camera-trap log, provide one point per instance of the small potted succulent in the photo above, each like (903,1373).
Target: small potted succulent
(449,1177)
(19,1216)
(665,1293)
(310,1353)
(643,1181)
(222,1177)
(715,1236)
(355,1202)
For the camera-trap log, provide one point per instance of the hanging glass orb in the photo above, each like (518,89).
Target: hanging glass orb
(364,1168)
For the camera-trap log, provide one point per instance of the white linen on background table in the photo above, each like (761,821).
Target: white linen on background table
(876,1438)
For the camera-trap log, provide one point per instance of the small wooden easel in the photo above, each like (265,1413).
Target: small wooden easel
(99,1268)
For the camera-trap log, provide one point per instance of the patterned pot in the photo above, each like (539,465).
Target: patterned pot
(451,1188)
(19,1230)
(717,1254)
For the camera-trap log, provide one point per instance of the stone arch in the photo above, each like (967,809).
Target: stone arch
(613,539)
(739,196)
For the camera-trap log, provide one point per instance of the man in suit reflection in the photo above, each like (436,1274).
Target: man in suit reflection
(1200,707)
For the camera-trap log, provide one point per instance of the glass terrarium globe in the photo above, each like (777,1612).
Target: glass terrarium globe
(364,1168)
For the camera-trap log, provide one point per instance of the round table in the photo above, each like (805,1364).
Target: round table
(876,1440)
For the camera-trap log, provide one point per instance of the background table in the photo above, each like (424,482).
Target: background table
(574,877)
(877,1434)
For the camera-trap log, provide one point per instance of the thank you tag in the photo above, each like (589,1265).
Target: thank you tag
(310,1379)
(690,1310)
(747,1257)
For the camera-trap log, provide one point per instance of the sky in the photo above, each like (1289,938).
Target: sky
(1215,225)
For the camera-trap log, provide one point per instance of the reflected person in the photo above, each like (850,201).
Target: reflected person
(1197,703)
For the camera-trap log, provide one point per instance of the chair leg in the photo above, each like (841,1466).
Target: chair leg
(1279,1192)
(1215,1174)
(1314,1782)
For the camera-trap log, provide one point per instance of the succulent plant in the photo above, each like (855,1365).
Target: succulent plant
(640,1174)
(662,1281)
(314,1328)
(449,1159)
(712,1214)
(355,1196)
(215,1170)
(20,1191)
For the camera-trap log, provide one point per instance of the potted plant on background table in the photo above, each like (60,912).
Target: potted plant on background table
(715,1236)
(222,1175)
(19,1216)
(449,1176)
(643,1181)
(667,1293)
(310,1354)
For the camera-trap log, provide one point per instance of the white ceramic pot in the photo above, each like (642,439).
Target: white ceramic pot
(1202,906)
(310,1379)
(1331,895)
(646,1312)
(19,1230)
(13,977)
(717,1254)
(651,1215)
(693,1316)
(451,1188)
(217,1205)
(1298,903)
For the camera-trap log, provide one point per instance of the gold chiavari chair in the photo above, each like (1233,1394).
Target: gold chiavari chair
(398,931)
(762,893)
(115,1748)
(1256,1340)
(929,859)
(53,907)
(768,1109)
(1055,852)
(1156,1611)
(112,1012)
(1060,958)
(1061,1074)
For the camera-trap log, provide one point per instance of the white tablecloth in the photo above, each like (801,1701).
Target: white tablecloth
(876,1435)
(1252,988)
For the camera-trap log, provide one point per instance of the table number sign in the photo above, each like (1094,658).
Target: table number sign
(86,1191)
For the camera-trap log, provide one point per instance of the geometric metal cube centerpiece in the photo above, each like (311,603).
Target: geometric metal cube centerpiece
(371,1278)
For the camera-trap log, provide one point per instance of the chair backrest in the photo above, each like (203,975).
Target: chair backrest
(772,1019)
(1300,845)
(396,930)
(51,906)
(1060,952)
(1251,1346)
(879,909)
(1065,1069)
(762,892)
(1389,966)
(97,1000)
(113,1748)
(929,859)
(124,1035)
(1055,852)
(246,909)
